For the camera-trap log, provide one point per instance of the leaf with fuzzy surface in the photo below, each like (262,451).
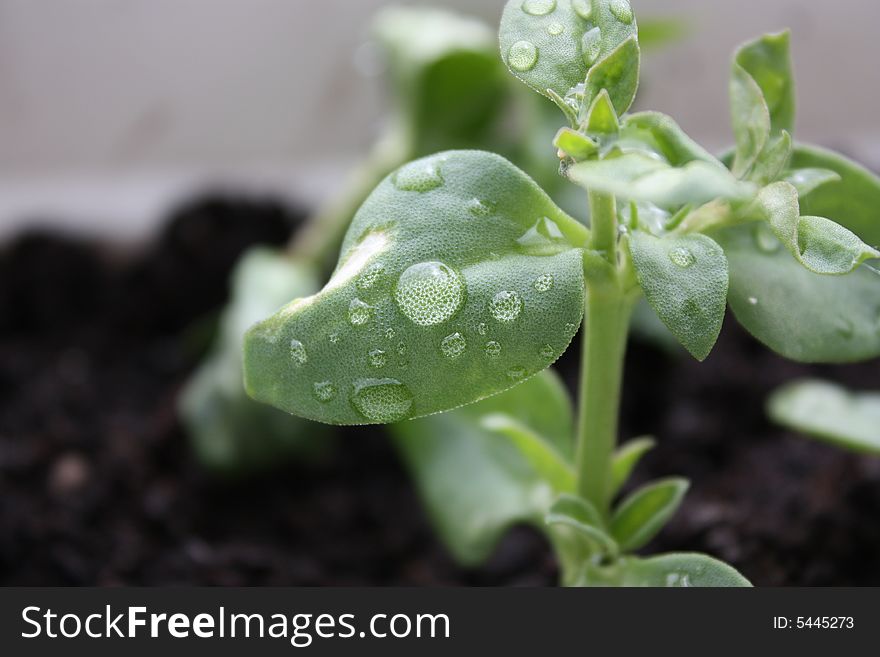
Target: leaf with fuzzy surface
(665,570)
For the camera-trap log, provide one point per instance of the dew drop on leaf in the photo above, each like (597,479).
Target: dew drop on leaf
(753,301)
(334,338)
(505,306)
(371,276)
(298,353)
(453,345)
(359,313)
(583,8)
(324,391)
(570,328)
(591,45)
(538,7)
(555,29)
(547,351)
(765,240)
(480,208)
(516,373)
(493,348)
(429,293)
(544,283)
(543,238)
(401,348)
(682,257)
(382,400)
(376,358)
(389,333)
(622,11)
(418,177)
(482,328)
(523,56)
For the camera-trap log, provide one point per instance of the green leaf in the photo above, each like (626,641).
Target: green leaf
(574,519)
(626,458)
(684,278)
(807,180)
(551,45)
(767,61)
(804,316)
(639,177)
(550,465)
(644,513)
(830,413)
(751,120)
(575,144)
(664,137)
(853,202)
(474,482)
(819,244)
(617,74)
(665,570)
(601,117)
(773,160)
(229,431)
(458,279)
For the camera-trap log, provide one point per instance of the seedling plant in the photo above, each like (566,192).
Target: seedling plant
(461,281)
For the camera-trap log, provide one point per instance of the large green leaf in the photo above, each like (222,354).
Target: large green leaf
(474,481)
(458,279)
(551,45)
(230,431)
(804,316)
(830,413)
(665,570)
(684,278)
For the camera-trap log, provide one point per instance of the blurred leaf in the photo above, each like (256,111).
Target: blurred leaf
(664,137)
(474,482)
(773,161)
(830,413)
(644,513)
(767,61)
(574,519)
(807,180)
(626,458)
(684,278)
(458,269)
(665,570)
(654,33)
(751,120)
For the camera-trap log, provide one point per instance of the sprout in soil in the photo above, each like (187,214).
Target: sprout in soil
(460,280)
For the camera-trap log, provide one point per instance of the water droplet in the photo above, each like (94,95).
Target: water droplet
(493,348)
(334,338)
(453,345)
(622,11)
(538,7)
(382,400)
(845,328)
(591,45)
(753,301)
(570,328)
(480,208)
(324,391)
(543,238)
(765,240)
(505,306)
(482,328)
(583,8)
(544,283)
(547,351)
(555,29)
(516,373)
(429,293)
(523,56)
(376,358)
(401,348)
(682,257)
(370,277)
(389,333)
(298,353)
(359,313)
(420,176)
(678,580)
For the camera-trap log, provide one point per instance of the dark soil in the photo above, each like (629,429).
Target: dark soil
(98,485)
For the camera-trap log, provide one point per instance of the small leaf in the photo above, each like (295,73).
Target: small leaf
(830,413)
(768,61)
(229,431)
(475,483)
(807,180)
(684,278)
(553,46)
(751,120)
(773,160)
(666,570)
(804,316)
(819,244)
(625,460)
(617,74)
(601,117)
(575,145)
(548,463)
(644,513)
(459,269)
(640,177)
(665,138)
(581,519)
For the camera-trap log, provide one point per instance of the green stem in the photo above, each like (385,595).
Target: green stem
(606,324)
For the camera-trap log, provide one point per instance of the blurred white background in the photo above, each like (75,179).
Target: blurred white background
(112,109)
